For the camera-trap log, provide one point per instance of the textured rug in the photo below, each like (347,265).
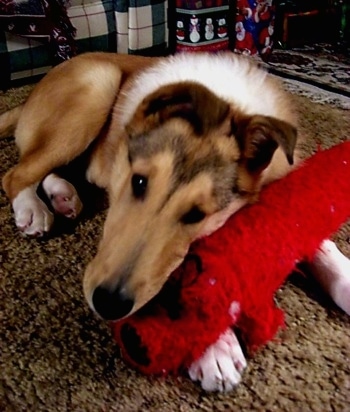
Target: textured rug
(318,65)
(55,355)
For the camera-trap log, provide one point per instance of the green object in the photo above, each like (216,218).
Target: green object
(345,20)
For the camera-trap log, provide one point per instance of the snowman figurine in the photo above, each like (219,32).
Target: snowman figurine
(222,28)
(194,29)
(209,29)
(180,32)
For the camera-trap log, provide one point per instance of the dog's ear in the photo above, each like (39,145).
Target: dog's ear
(259,137)
(187,100)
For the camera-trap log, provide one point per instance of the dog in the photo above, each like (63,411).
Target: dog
(179,143)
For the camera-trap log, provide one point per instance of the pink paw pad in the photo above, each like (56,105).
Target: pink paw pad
(68,206)
(63,196)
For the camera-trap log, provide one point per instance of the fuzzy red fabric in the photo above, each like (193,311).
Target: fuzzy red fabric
(245,262)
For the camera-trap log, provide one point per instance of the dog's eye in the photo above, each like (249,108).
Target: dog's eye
(194,215)
(139,185)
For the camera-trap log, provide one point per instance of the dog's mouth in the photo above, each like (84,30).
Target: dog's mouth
(113,301)
(125,275)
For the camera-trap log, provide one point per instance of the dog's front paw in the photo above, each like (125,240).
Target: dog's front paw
(32,216)
(221,366)
(62,195)
(332,269)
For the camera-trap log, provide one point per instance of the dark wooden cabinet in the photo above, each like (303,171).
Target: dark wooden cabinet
(301,22)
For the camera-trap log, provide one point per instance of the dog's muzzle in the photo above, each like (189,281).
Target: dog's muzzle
(111,304)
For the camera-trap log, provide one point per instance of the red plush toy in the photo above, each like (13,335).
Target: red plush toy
(245,261)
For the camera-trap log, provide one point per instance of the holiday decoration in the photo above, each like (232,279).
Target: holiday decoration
(202,25)
(254,27)
(229,278)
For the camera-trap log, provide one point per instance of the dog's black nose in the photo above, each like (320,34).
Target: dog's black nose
(111,304)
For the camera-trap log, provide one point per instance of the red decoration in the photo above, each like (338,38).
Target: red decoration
(230,278)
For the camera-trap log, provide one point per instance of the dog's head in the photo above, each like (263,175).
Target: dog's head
(190,161)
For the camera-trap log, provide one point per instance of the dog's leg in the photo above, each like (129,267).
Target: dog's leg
(62,195)
(221,366)
(31,214)
(64,114)
(332,269)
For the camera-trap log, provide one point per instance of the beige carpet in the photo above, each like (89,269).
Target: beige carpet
(55,355)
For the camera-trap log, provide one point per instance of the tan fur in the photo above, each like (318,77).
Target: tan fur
(197,151)
(88,86)
(9,120)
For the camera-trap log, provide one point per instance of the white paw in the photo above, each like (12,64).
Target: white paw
(332,269)
(62,195)
(32,216)
(221,366)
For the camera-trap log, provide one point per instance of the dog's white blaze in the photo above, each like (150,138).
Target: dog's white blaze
(229,76)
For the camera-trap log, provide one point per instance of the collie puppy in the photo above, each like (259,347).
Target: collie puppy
(179,144)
